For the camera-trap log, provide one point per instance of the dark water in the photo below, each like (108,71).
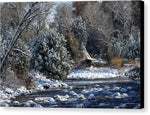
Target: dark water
(105,96)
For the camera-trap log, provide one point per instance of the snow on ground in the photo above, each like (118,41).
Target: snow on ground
(8,93)
(94,73)
(41,83)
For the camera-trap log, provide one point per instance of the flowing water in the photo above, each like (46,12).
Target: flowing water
(108,93)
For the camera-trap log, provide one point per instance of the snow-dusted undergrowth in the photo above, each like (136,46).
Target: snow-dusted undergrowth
(41,81)
(93,73)
(8,93)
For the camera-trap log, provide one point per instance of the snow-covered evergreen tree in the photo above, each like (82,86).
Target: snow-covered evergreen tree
(49,55)
(79,30)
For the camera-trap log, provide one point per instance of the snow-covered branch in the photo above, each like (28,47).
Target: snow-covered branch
(18,32)
(24,53)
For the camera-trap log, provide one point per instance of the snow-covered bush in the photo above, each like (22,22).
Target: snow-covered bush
(117,47)
(17,63)
(79,30)
(49,55)
(132,46)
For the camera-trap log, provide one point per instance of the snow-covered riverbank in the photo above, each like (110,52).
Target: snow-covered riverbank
(71,91)
(40,81)
(95,73)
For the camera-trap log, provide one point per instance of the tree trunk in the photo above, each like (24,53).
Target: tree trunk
(24,22)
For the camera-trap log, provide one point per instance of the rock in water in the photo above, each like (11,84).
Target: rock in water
(123,106)
(91,97)
(16,102)
(72,93)
(80,97)
(31,103)
(102,104)
(79,106)
(9,91)
(46,86)
(123,90)
(116,88)
(116,94)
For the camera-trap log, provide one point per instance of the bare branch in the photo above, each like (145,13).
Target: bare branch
(18,32)
(19,50)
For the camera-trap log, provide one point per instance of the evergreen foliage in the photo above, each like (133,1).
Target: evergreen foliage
(49,55)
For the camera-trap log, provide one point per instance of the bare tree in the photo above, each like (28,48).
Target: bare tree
(23,24)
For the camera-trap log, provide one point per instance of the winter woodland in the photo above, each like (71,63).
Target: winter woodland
(70,54)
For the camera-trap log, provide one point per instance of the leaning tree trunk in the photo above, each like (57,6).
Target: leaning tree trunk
(76,49)
(84,53)
(24,22)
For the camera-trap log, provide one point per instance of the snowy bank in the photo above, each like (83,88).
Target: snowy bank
(7,93)
(42,82)
(94,73)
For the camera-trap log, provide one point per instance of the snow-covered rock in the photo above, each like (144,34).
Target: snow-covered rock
(122,105)
(116,94)
(16,102)
(91,97)
(116,88)
(79,105)
(64,85)
(72,93)
(95,90)
(43,83)
(31,103)
(123,90)
(107,92)
(45,100)
(3,95)
(124,95)
(72,99)
(65,90)
(80,97)
(129,87)
(84,91)
(66,96)
(9,91)
(102,104)
(61,98)
(51,100)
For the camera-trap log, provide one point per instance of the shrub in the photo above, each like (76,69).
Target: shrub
(17,63)
(50,56)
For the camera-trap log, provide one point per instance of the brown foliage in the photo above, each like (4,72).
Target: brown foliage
(73,46)
(119,62)
(78,51)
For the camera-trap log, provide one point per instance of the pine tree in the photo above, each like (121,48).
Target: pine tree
(50,56)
